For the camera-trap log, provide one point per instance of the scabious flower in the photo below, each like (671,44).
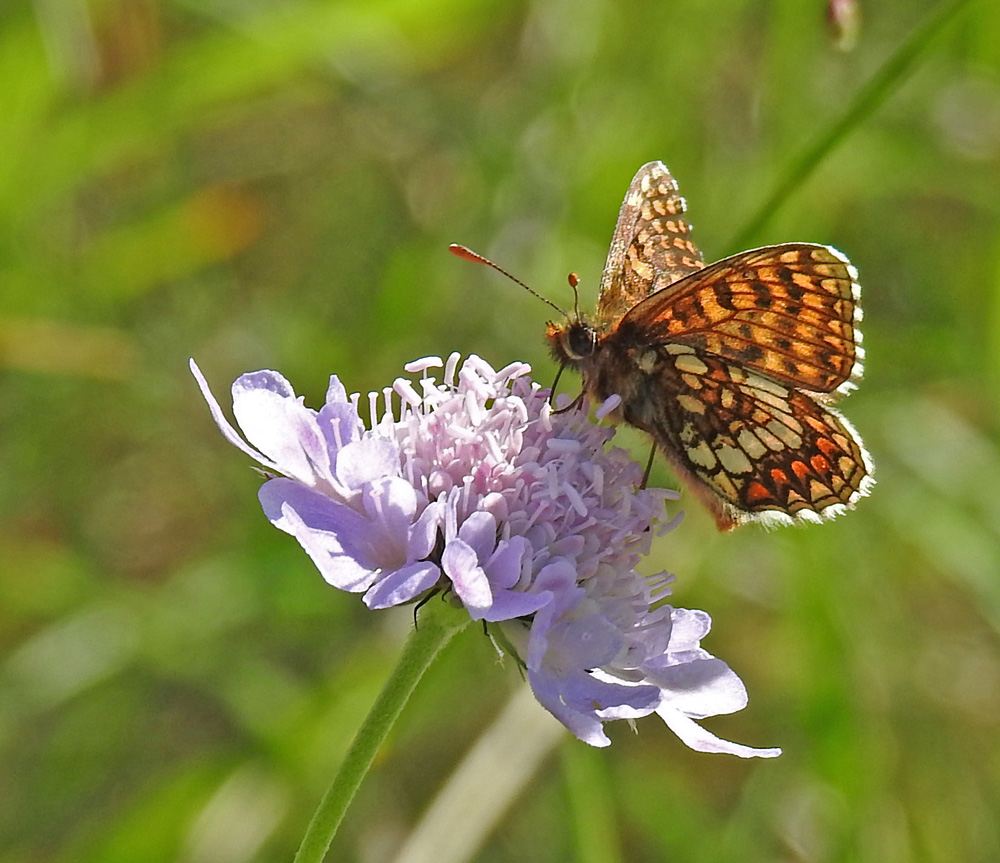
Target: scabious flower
(474,485)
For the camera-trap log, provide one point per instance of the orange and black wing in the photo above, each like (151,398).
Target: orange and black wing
(651,245)
(751,448)
(790,312)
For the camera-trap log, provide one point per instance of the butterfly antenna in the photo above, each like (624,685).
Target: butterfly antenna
(574,280)
(469,255)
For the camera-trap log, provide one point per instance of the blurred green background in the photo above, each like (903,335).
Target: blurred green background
(267,184)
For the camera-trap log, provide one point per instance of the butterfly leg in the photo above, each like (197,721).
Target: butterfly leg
(649,466)
(555,383)
(573,405)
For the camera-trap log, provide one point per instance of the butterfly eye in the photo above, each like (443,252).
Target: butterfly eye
(578,341)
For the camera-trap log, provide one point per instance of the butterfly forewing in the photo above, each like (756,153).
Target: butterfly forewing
(788,311)
(752,448)
(651,244)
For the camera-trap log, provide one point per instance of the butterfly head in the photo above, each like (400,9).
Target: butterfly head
(572,343)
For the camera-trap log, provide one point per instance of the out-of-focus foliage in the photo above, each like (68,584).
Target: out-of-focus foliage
(273,184)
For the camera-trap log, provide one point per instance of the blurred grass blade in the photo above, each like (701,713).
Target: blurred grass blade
(878,90)
(592,804)
(479,792)
(64,347)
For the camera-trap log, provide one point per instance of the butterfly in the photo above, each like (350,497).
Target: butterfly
(730,367)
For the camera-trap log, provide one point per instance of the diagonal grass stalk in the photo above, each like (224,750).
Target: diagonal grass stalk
(868,99)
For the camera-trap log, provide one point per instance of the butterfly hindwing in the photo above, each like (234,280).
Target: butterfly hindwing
(752,448)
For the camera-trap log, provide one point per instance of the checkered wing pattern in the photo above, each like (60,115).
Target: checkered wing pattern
(752,448)
(790,312)
(651,245)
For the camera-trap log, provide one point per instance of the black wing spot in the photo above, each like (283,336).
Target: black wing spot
(725,299)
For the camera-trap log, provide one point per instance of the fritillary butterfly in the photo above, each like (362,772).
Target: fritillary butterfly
(730,367)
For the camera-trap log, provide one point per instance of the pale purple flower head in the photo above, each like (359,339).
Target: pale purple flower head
(475,485)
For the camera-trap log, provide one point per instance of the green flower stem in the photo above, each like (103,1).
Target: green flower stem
(870,97)
(437,623)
